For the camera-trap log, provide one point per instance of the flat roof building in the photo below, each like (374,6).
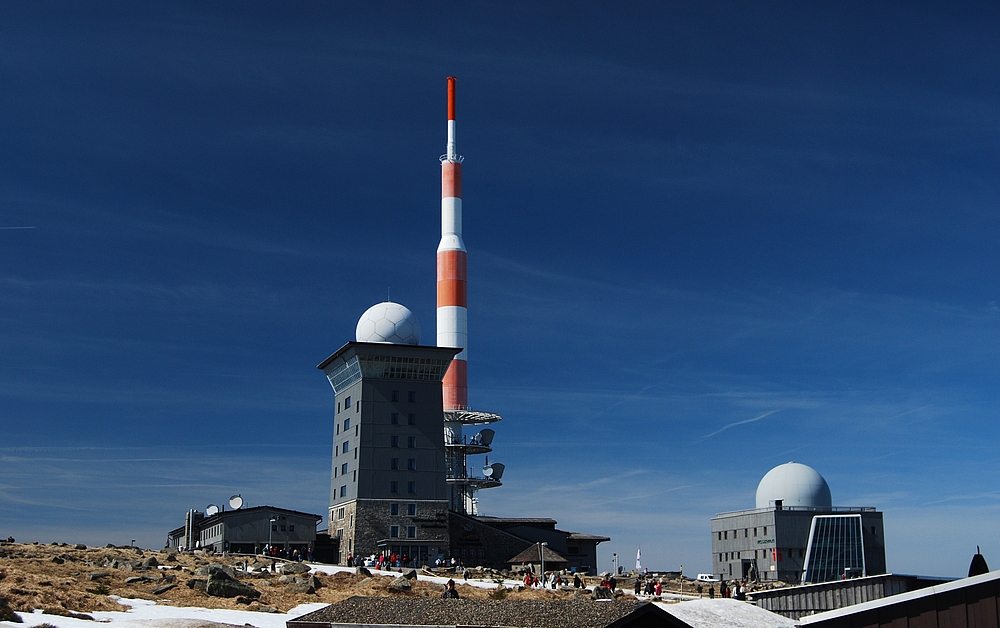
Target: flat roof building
(795,534)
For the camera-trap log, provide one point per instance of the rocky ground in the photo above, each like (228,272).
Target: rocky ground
(64,579)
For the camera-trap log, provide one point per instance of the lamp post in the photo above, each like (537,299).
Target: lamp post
(541,554)
(614,559)
(270,528)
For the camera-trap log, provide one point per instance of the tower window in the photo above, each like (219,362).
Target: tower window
(411,487)
(394,418)
(411,419)
(411,464)
(394,532)
(347,402)
(343,491)
(394,464)
(411,396)
(394,486)
(411,510)
(411,441)
(343,469)
(393,510)
(411,532)
(394,396)
(394,441)
(347,424)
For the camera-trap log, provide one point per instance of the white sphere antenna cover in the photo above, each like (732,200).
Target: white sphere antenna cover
(795,485)
(389,323)
(235,502)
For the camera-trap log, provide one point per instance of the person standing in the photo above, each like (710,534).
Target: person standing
(449,591)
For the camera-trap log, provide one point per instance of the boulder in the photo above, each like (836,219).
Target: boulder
(364,571)
(163,588)
(400,585)
(199,584)
(410,574)
(97,575)
(311,581)
(268,609)
(365,581)
(137,579)
(287,579)
(151,562)
(80,546)
(57,560)
(299,588)
(227,587)
(214,568)
(294,568)
(602,593)
(6,614)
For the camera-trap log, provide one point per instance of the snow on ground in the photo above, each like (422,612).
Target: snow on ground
(482,584)
(148,614)
(725,613)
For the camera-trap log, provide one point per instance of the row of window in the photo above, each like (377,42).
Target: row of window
(274,527)
(411,510)
(411,397)
(411,532)
(724,534)
(411,441)
(776,554)
(411,465)
(411,487)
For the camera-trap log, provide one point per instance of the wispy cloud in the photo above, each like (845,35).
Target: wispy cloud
(734,424)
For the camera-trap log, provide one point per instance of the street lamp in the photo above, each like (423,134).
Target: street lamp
(541,554)
(270,528)
(614,559)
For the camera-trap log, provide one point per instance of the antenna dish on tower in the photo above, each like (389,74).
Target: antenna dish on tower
(235,502)
(211,509)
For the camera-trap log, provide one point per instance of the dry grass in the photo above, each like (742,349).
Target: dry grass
(29,579)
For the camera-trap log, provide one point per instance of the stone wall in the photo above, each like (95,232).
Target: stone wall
(373,522)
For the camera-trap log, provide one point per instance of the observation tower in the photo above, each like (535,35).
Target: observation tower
(452,331)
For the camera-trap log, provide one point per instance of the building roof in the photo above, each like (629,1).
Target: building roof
(582,536)
(516,520)
(409,611)
(902,598)
(209,521)
(532,555)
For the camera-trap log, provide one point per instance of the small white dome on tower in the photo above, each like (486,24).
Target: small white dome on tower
(795,485)
(390,323)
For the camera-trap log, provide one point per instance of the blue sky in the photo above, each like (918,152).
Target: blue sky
(705,239)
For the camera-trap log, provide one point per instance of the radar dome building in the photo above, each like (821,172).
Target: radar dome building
(389,322)
(795,534)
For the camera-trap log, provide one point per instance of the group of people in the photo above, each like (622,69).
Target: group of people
(738,590)
(283,552)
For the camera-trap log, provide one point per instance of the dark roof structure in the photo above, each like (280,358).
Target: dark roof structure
(961,603)
(409,611)
(534,555)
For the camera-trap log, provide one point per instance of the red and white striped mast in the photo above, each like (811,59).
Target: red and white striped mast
(452,293)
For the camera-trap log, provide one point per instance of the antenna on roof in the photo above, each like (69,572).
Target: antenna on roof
(235,502)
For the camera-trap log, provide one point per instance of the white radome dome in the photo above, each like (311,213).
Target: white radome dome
(795,485)
(389,323)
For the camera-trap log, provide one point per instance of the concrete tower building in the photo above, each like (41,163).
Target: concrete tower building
(795,534)
(453,331)
(387,489)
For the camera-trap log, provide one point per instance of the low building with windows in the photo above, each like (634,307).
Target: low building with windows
(795,534)
(247,531)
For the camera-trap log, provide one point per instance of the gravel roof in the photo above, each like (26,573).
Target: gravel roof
(408,611)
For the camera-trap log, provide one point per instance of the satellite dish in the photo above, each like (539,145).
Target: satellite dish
(235,502)
(212,509)
(488,471)
(485,437)
(497,468)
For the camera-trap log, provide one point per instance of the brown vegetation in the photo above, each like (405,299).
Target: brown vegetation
(64,579)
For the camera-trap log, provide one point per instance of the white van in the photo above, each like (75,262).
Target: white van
(706,577)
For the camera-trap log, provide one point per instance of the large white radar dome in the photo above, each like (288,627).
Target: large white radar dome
(390,323)
(795,485)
